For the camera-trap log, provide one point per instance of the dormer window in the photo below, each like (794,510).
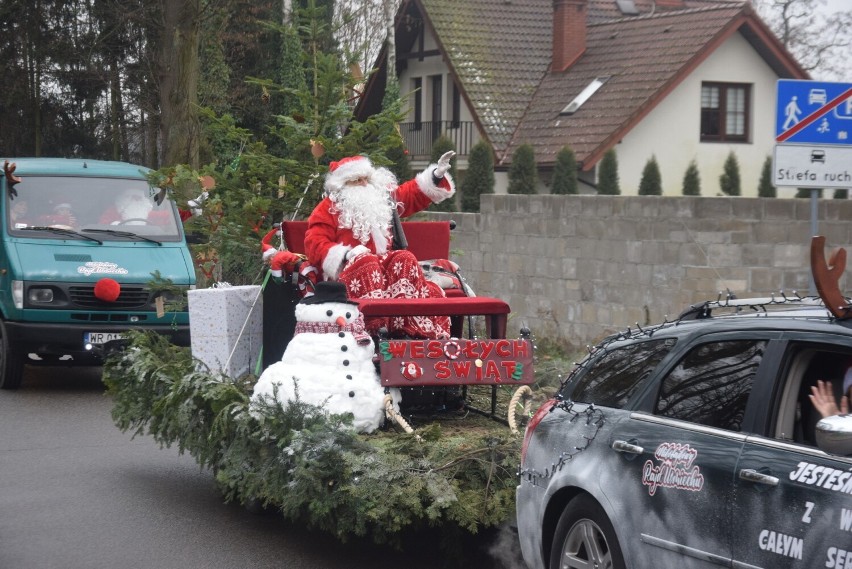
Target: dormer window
(584,95)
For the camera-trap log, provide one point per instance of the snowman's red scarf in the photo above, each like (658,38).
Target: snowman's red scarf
(356,328)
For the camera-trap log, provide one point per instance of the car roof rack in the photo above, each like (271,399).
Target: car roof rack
(730,303)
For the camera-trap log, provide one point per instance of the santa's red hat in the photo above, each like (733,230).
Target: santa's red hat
(346,170)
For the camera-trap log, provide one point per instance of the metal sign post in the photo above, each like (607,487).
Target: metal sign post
(813,135)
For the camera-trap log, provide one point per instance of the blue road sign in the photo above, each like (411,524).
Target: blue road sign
(813,112)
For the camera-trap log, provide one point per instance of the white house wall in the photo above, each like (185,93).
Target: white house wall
(671,131)
(425,70)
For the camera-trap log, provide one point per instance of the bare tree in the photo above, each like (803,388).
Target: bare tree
(389,8)
(820,41)
(361,27)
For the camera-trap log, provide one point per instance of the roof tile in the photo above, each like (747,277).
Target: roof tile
(501,52)
(640,55)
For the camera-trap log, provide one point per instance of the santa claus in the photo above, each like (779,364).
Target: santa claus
(132,207)
(350,236)
(136,206)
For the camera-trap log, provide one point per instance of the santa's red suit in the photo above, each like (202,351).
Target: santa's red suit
(354,243)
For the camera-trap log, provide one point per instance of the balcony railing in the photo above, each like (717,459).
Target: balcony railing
(419,137)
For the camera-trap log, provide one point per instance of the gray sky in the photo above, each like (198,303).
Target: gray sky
(831,7)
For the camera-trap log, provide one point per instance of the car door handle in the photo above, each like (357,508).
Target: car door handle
(755,476)
(624,446)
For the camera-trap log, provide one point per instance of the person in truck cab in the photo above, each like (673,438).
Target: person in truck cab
(131,207)
(19,213)
(62,216)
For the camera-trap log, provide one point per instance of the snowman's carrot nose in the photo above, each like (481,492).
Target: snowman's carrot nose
(341,321)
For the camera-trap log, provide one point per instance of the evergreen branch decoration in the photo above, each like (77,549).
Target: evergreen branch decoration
(312,466)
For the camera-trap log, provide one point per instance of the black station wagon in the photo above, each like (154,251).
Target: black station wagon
(695,444)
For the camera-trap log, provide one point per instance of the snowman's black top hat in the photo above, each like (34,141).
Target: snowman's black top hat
(328,291)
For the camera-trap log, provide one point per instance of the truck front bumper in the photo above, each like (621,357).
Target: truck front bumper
(59,339)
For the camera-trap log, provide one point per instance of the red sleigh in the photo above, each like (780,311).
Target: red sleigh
(491,361)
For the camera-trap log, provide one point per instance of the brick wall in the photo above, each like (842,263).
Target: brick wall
(574,268)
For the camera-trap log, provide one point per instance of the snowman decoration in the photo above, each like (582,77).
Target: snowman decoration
(329,361)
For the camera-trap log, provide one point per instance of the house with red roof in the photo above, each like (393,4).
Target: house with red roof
(679,80)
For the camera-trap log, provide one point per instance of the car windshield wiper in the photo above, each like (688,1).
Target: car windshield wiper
(123,234)
(61,231)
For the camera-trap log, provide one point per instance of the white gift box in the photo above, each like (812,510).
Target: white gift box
(226,327)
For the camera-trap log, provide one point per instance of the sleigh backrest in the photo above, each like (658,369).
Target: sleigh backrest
(426,239)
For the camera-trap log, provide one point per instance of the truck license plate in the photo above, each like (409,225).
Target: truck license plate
(98,338)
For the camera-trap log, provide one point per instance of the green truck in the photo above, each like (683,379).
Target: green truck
(89,251)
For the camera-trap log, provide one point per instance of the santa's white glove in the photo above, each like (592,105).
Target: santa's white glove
(443,164)
(356,251)
(196,204)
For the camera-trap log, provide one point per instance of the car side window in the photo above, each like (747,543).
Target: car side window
(615,376)
(809,363)
(711,384)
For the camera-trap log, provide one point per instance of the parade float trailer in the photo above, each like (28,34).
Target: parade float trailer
(445,457)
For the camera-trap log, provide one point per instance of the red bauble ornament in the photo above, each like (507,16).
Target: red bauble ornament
(107,290)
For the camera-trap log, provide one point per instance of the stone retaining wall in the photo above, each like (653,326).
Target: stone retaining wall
(575,268)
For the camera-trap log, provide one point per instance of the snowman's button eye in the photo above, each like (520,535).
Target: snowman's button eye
(328,312)
(348,315)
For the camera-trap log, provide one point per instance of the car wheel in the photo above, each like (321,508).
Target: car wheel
(11,363)
(585,538)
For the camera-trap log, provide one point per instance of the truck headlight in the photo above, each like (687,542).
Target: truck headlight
(40,295)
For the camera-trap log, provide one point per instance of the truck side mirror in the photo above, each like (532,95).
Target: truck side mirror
(195,238)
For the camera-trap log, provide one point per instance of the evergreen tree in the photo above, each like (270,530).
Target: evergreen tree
(608,174)
(651,183)
(396,153)
(291,72)
(256,187)
(692,180)
(523,176)
(564,173)
(441,145)
(479,178)
(729,181)
(841,194)
(765,189)
(806,193)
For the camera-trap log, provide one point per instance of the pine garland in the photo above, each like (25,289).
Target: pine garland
(310,465)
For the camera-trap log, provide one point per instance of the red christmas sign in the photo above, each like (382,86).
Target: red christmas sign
(406,363)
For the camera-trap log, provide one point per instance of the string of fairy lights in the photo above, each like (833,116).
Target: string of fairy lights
(593,416)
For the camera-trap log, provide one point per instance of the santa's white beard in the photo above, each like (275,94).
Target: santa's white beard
(367,211)
(134,209)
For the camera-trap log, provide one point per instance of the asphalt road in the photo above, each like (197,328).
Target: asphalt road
(77,493)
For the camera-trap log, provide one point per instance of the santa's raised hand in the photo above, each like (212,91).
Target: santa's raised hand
(443,164)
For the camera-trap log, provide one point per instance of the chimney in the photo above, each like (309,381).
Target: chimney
(569,32)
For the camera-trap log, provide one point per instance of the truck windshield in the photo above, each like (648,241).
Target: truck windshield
(124,205)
